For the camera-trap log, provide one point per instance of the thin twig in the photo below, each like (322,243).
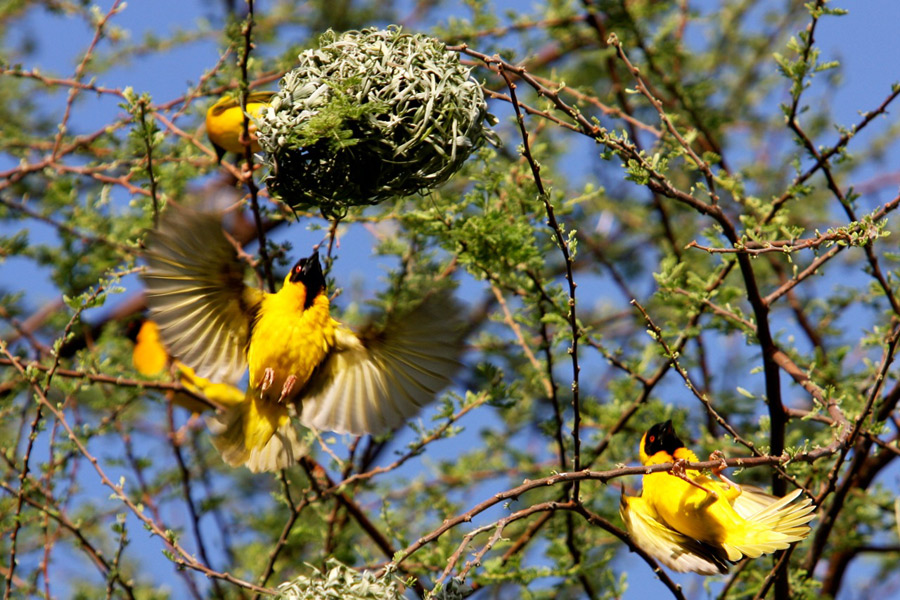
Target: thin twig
(563,245)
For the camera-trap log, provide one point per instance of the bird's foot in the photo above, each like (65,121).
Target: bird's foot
(717,470)
(680,472)
(267,380)
(286,388)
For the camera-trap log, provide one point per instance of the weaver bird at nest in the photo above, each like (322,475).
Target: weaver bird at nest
(691,522)
(303,363)
(225,123)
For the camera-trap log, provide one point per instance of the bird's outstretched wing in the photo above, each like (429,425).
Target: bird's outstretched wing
(374,382)
(196,293)
(670,547)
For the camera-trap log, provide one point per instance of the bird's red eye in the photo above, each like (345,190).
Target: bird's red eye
(652,439)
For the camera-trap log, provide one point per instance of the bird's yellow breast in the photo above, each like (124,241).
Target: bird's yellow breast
(290,340)
(687,508)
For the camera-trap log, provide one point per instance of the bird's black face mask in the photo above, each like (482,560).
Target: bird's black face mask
(662,437)
(308,271)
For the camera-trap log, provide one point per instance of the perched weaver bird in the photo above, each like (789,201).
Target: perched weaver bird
(225,122)
(303,363)
(690,522)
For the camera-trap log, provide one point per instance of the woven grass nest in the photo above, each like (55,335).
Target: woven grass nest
(368,116)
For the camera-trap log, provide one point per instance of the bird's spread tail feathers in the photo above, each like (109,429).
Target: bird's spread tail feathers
(772,523)
(256,434)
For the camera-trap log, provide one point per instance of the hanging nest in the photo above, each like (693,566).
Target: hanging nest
(367,116)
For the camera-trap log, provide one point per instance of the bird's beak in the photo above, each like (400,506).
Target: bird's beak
(308,271)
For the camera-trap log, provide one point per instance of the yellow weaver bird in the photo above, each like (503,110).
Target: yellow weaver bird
(690,522)
(150,358)
(225,122)
(303,363)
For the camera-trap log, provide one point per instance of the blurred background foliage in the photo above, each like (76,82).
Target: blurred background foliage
(689,179)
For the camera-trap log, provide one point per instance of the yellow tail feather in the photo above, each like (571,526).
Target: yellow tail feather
(256,434)
(773,527)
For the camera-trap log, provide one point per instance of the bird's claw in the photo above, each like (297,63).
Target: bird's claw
(717,470)
(287,387)
(678,470)
(267,380)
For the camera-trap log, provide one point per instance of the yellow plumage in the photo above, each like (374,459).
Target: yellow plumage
(305,336)
(303,364)
(698,524)
(221,394)
(149,356)
(225,122)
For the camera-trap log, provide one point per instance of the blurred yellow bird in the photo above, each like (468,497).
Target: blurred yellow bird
(151,359)
(302,362)
(149,356)
(690,522)
(225,122)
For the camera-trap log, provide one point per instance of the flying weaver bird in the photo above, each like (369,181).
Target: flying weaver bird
(690,522)
(225,122)
(303,363)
